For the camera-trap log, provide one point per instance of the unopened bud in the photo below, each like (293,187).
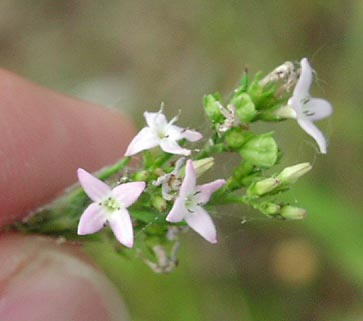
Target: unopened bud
(211,106)
(293,213)
(235,138)
(290,174)
(159,203)
(263,187)
(269,208)
(200,166)
(260,150)
(203,165)
(245,107)
(141,176)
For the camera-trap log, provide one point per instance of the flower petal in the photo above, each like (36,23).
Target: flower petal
(128,193)
(172,147)
(207,190)
(201,222)
(178,133)
(95,188)
(316,109)
(145,139)
(174,132)
(92,219)
(155,120)
(188,185)
(303,84)
(178,211)
(121,225)
(192,135)
(314,132)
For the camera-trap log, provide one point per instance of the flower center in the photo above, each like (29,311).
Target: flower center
(111,204)
(162,133)
(191,202)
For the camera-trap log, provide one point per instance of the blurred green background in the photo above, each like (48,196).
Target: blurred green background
(135,54)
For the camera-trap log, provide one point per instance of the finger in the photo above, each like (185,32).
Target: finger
(45,137)
(40,280)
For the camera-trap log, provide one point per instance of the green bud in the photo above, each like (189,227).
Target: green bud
(245,108)
(290,174)
(235,137)
(211,106)
(159,203)
(243,175)
(200,166)
(260,150)
(269,208)
(243,84)
(293,213)
(262,96)
(141,176)
(263,187)
(203,165)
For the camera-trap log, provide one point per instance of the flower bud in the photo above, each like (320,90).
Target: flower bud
(200,166)
(159,203)
(235,138)
(243,175)
(269,208)
(203,165)
(263,187)
(141,176)
(293,213)
(211,106)
(260,150)
(245,107)
(290,174)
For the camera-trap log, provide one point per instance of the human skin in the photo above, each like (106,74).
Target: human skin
(44,138)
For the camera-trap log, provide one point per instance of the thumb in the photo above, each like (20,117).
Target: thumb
(40,280)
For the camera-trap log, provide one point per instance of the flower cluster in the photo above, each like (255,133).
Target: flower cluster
(161,199)
(170,188)
(110,205)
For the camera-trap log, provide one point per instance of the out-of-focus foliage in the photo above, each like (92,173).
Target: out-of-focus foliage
(133,55)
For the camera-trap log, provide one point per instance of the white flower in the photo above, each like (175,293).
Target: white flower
(188,205)
(109,207)
(163,133)
(171,182)
(309,109)
(231,119)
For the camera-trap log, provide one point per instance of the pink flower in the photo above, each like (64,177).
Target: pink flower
(109,207)
(163,133)
(309,109)
(188,205)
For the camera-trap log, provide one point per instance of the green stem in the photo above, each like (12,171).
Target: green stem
(107,172)
(161,160)
(62,215)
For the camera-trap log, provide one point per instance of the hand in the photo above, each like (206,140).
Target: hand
(44,138)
